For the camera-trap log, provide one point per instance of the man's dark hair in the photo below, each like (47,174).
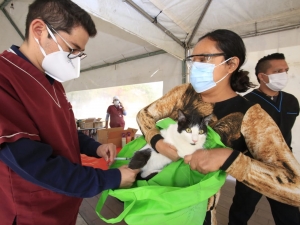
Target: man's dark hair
(63,15)
(264,63)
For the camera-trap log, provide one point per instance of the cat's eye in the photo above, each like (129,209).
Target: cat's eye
(201,131)
(188,130)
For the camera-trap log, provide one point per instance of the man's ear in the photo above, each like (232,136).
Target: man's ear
(233,64)
(38,29)
(260,76)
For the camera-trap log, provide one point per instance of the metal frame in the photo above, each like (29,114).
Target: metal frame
(125,60)
(154,21)
(186,45)
(4,3)
(269,31)
(203,13)
(2,7)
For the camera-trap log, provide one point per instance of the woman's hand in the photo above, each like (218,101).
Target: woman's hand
(108,152)
(205,161)
(167,150)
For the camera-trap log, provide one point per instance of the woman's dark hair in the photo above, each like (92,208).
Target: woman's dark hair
(232,45)
(63,15)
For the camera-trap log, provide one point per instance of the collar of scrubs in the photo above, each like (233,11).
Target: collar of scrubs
(16,50)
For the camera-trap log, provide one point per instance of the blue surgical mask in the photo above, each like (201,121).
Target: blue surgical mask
(202,76)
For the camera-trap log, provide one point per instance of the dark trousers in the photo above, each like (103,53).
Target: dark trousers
(245,200)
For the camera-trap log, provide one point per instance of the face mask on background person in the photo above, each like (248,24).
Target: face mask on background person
(277,81)
(116,102)
(57,64)
(202,76)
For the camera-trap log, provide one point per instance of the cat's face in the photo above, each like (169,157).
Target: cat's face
(192,128)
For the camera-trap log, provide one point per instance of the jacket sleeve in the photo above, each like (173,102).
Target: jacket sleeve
(88,145)
(38,165)
(274,171)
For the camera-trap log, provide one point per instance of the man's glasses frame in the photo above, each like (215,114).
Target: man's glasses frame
(74,53)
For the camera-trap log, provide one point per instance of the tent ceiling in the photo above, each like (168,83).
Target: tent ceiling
(130,28)
(178,19)
(113,44)
(243,16)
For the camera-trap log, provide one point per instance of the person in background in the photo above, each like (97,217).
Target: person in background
(216,77)
(271,72)
(115,112)
(42,180)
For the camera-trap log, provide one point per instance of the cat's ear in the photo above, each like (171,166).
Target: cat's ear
(207,119)
(181,116)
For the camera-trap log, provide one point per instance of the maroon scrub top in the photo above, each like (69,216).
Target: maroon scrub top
(116,116)
(33,108)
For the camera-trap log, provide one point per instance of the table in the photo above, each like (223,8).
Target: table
(91,132)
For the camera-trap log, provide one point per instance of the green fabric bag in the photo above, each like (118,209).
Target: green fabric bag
(175,196)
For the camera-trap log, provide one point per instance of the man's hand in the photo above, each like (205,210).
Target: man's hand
(121,105)
(107,152)
(127,176)
(205,161)
(167,150)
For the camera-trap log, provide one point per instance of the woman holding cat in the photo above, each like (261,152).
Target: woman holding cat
(216,77)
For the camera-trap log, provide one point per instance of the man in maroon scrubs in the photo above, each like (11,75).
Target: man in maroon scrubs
(116,113)
(42,180)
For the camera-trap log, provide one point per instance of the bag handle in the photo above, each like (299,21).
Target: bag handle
(122,215)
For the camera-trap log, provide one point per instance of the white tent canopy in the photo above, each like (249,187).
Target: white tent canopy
(174,25)
(129,30)
(142,41)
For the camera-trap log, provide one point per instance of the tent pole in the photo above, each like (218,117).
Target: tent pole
(185,69)
(269,31)
(2,7)
(198,22)
(152,20)
(125,60)
(184,75)
(4,3)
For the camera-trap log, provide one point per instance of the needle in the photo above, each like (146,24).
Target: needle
(122,158)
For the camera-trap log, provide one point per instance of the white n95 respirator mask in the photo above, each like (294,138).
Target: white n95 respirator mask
(57,64)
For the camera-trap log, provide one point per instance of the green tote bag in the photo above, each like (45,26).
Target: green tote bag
(175,196)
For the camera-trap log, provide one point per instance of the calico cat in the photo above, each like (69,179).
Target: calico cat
(187,135)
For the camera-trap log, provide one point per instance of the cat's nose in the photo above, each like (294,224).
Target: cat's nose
(195,141)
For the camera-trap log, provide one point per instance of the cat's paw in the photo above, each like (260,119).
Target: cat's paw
(140,159)
(146,175)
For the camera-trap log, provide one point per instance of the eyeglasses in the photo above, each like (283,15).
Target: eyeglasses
(74,53)
(205,58)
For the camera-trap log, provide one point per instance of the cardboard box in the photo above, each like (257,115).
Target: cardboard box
(114,135)
(99,124)
(86,123)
